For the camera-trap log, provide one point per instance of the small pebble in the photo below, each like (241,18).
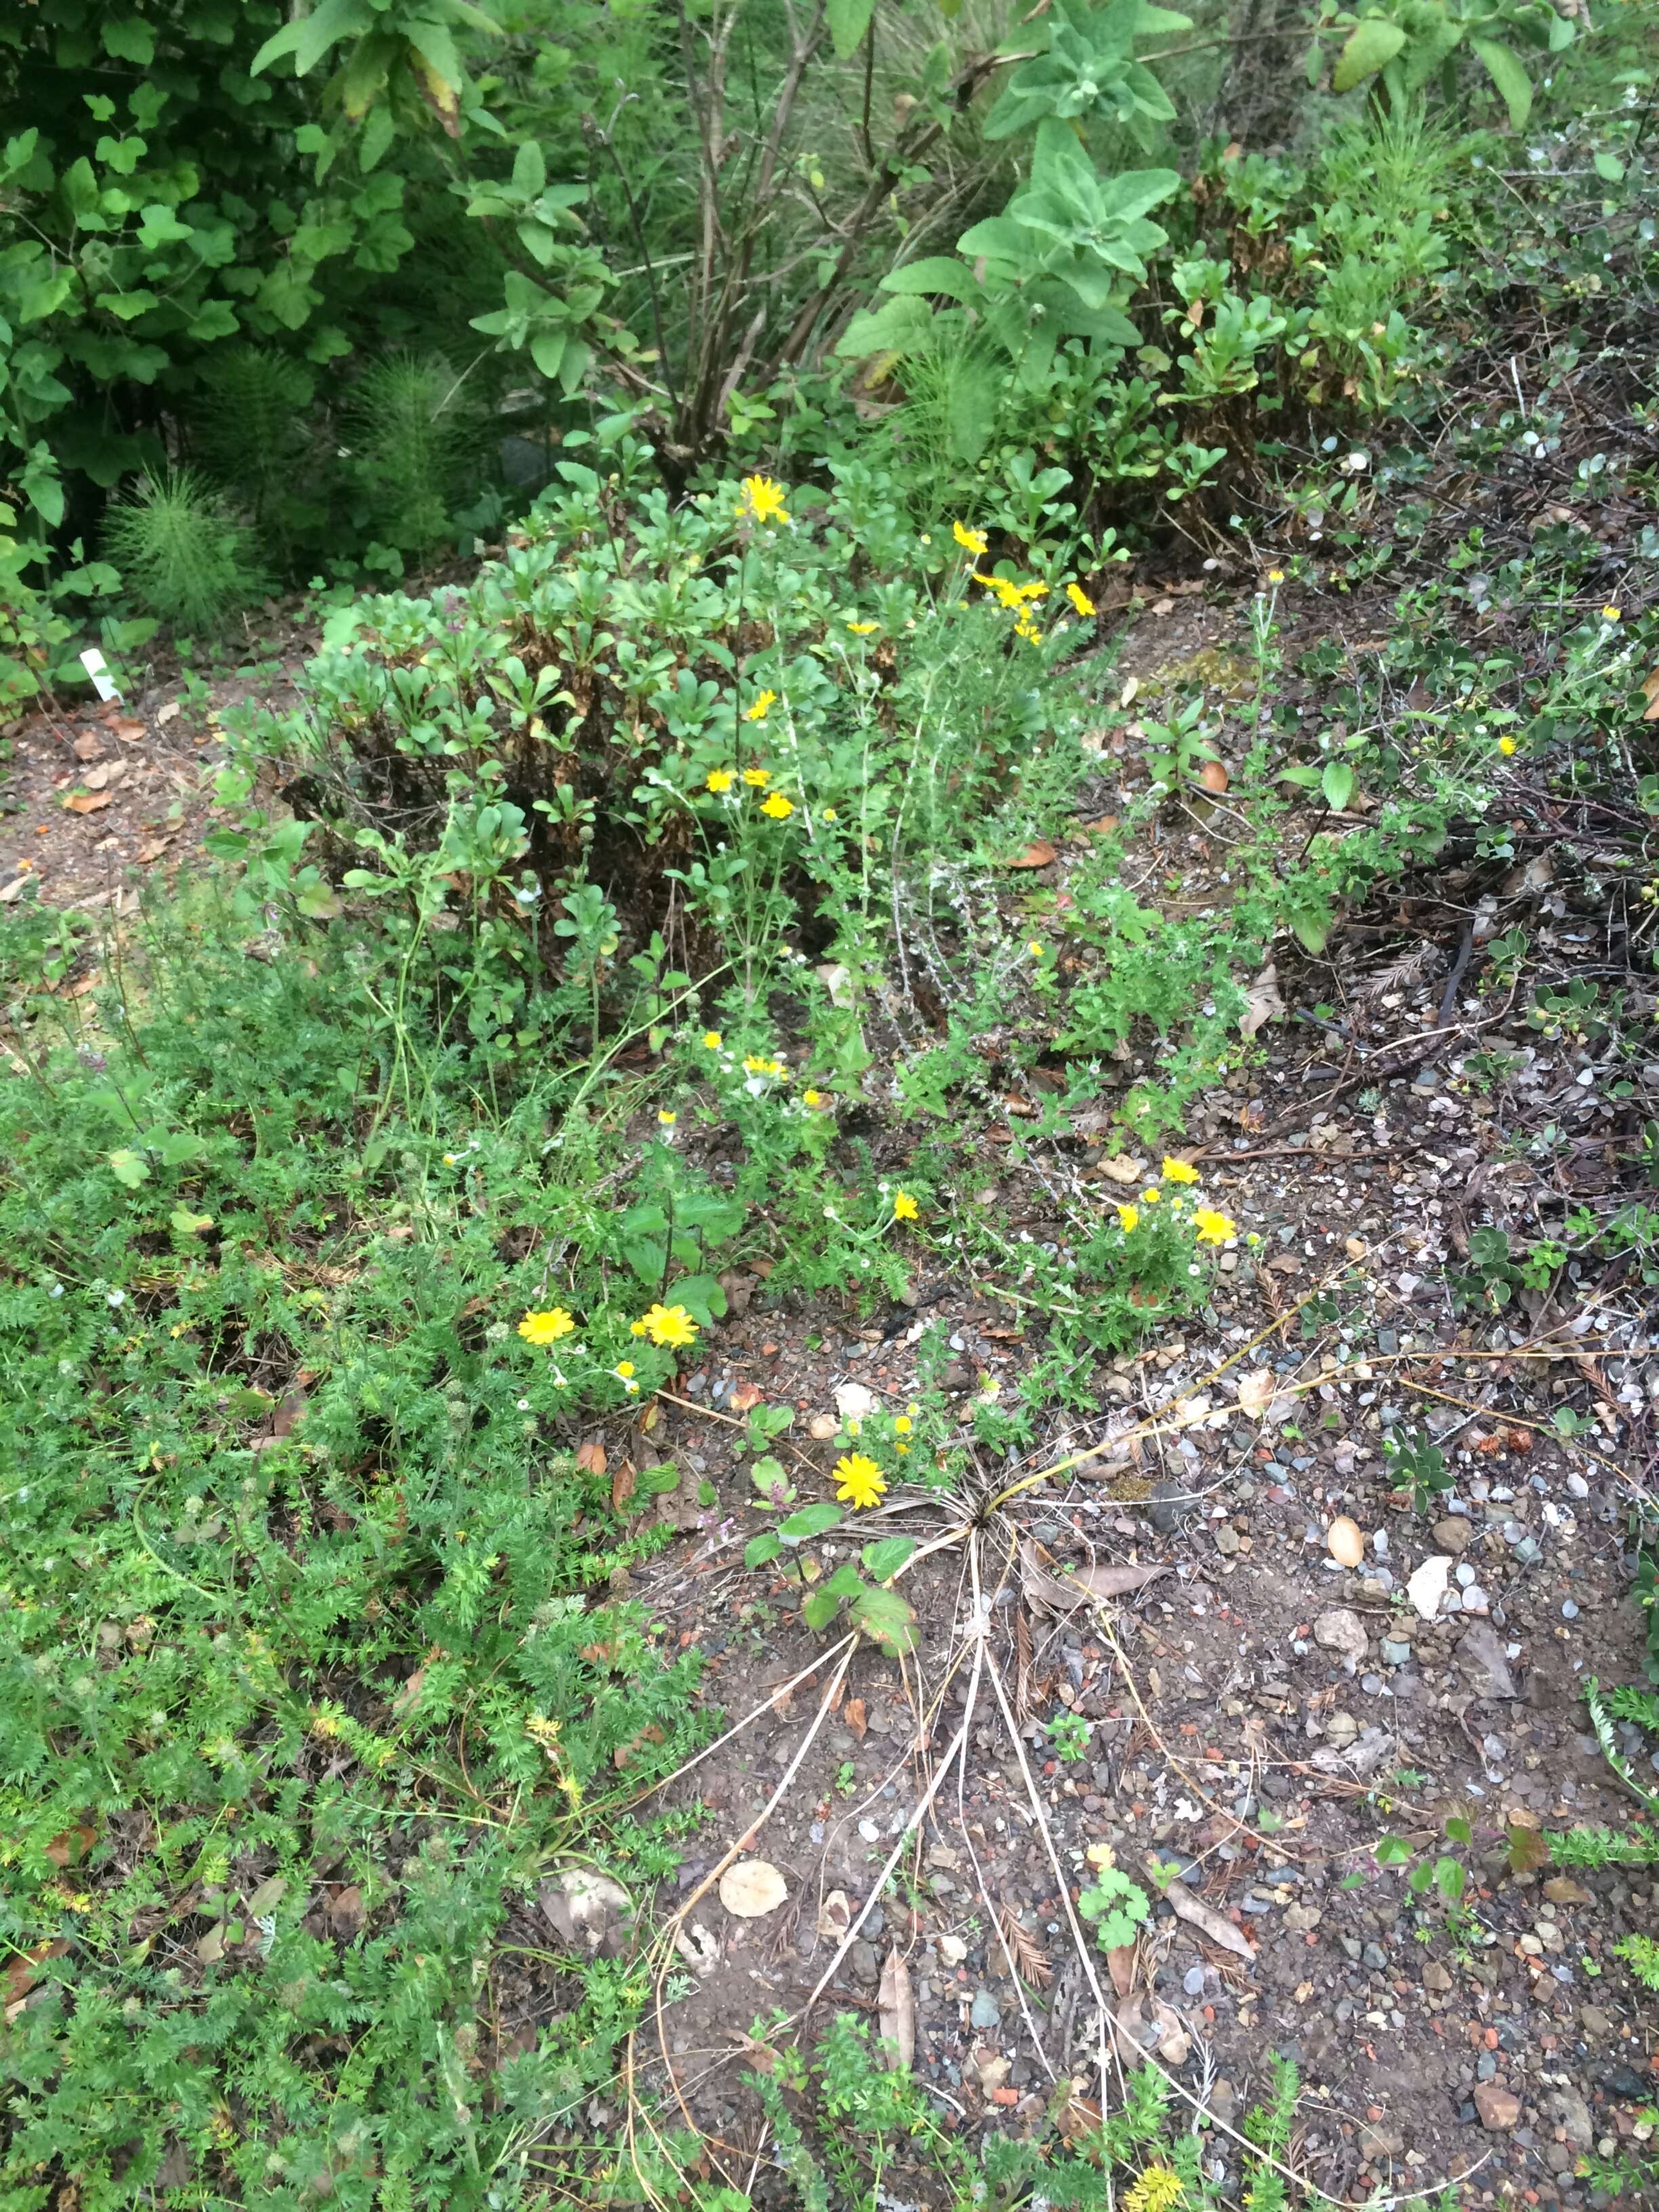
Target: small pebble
(1576,1486)
(1569,1610)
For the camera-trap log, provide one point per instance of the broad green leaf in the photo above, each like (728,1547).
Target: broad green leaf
(1392,1850)
(936,272)
(130,40)
(658,1481)
(811,1520)
(1337,784)
(530,170)
(884,1615)
(820,1609)
(759,1549)
(1371,46)
(130,1168)
(884,1558)
(188,1223)
(848,20)
(1508,72)
(1609,169)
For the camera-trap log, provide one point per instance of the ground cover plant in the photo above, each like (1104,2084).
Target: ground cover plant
(830,1113)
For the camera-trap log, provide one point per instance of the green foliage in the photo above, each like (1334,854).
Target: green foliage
(185,556)
(1419,1465)
(1116,1906)
(1411,44)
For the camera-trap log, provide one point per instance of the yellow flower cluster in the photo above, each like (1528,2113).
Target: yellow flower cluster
(1210,1226)
(1157,2190)
(971,541)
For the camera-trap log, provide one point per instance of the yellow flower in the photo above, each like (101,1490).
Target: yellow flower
(1179,1172)
(778,807)
(902,1425)
(1214,1228)
(1035,949)
(862,629)
(764,499)
(757,713)
(1275,575)
(759,777)
(1079,599)
(636,1329)
(670,1325)
(711,1039)
(1612,614)
(1127,1217)
(905,1207)
(754,1065)
(811,1098)
(449,1159)
(1151,1196)
(971,541)
(624,1369)
(546,1327)
(1506,746)
(1027,628)
(667,1117)
(1011,595)
(829,813)
(1159,2190)
(858,1481)
(718,779)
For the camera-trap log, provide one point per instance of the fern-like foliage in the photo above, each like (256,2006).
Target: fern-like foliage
(1604,1847)
(410,437)
(182,552)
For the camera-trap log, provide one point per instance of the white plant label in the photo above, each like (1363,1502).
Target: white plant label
(97,668)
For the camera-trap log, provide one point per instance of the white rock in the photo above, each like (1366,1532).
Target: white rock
(951,1950)
(1428,1585)
(854,1403)
(1338,1629)
(752,1887)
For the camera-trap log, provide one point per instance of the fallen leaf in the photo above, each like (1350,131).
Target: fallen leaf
(1037,855)
(835,1916)
(86,747)
(854,1714)
(895,2007)
(1206,1920)
(13,890)
(746,1394)
(129,730)
(752,1888)
(621,1484)
(1256,1390)
(165,714)
(1101,826)
(22,1971)
(85,802)
(582,1905)
(267,1897)
(1122,1168)
(1120,1964)
(592,1457)
(1263,1002)
(210,1947)
(1651,693)
(72,1846)
(151,848)
(345,1910)
(1065,1594)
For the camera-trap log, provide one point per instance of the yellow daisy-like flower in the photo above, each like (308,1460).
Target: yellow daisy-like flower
(756,1065)
(1506,746)
(1027,628)
(758,778)
(1159,2190)
(1080,600)
(829,814)
(811,1098)
(546,1327)
(758,712)
(1128,1217)
(1151,1196)
(863,629)
(636,1329)
(667,1117)
(624,1368)
(778,807)
(711,1040)
(1179,1172)
(670,1325)
(1035,949)
(1214,1228)
(905,1207)
(718,779)
(1613,614)
(764,499)
(858,1481)
(902,1425)
(1275,575)
(971,541)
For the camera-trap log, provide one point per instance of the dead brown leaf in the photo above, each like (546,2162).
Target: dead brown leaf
(1036,855)
(345,1912)
(85,802)
(86,747)
(895,2007)
(151,848)
(1651,693)
(854,1714)
(592,1457)
(24,1970)
(1120,1964)
(72,1846)
(1065,1593)
(621,1484)
(129,730)
(745,1397)
(1206,1919)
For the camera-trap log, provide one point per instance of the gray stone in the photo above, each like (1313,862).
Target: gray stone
(986,2012)
(1396,1654)
(1342,1630)
(1567,2107)
(1226,1540)
(1453,1534)
(866,1967)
